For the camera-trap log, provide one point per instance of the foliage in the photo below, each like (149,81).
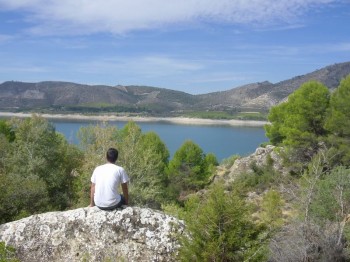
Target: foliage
(325,192)
(220,229)
(324,207)
(338,118)
(93,108)
(95,140)
(276,117)
(210,115)
(340,148)
(227,115)
(299,121)
(261,179)
(5,129)
(338,123)
(22,196)
(210,162)
(332,196)
(4,150)
(173,209)
(228,162)
(7,253)
(37,168)
(271,214)
(189,170)
(144,156)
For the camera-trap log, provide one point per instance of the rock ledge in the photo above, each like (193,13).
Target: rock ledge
(90,234)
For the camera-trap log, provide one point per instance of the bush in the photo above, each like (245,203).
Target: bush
(7,253)
(220,228)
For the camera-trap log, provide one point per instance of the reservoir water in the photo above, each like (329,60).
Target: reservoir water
(223,141)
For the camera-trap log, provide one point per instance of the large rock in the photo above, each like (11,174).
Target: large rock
(90,234)
(259,158)
(262,156)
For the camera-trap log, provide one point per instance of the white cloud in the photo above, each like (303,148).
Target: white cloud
(120,16)
(145,66)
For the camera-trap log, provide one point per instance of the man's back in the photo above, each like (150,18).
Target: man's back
(107,179)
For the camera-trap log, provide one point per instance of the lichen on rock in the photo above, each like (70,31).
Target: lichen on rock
(91,234)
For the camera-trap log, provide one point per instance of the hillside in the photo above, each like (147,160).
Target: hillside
(73,97)
(64,96)
(261,96)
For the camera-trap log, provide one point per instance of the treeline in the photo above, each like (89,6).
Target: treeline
(228,115)
(259,216)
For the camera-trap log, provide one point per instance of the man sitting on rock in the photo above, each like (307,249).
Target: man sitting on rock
(105,181)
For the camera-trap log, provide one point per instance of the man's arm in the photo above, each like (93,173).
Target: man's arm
(125,192)
(92,194)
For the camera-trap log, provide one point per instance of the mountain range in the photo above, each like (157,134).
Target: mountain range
(59,96)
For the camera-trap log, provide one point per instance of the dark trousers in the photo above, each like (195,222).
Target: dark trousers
(121,202)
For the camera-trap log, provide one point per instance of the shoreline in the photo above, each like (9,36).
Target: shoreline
(174,120)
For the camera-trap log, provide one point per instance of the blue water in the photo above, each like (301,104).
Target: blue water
(223,141)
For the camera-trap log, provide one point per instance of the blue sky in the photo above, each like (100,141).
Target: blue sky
(195,46)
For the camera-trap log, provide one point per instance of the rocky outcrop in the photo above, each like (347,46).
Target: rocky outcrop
(90,234)
(262,156)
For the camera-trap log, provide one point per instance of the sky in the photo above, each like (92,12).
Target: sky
(194,46)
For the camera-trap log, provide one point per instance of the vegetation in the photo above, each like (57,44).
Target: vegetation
(35,169)
(313,124)
(7,253)
(189,170)
(262,215)
(221,229)
(227,115)
(300,121)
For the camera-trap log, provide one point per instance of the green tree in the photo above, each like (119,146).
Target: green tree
(211,163)
(5,129)
(300,121)
(338,119)
(189,170)
(4,150)
(40,156)
(94,140)
(276,117)
(338,123)
(22,196)
(144,157)
(220,228)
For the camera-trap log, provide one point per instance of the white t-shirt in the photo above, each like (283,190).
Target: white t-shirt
(107,178)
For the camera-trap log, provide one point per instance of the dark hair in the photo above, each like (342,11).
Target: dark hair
(112,155)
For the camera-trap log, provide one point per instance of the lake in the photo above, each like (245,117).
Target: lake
(223,141)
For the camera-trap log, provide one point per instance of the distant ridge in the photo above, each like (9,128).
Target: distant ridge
(67,97)
(261,96)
